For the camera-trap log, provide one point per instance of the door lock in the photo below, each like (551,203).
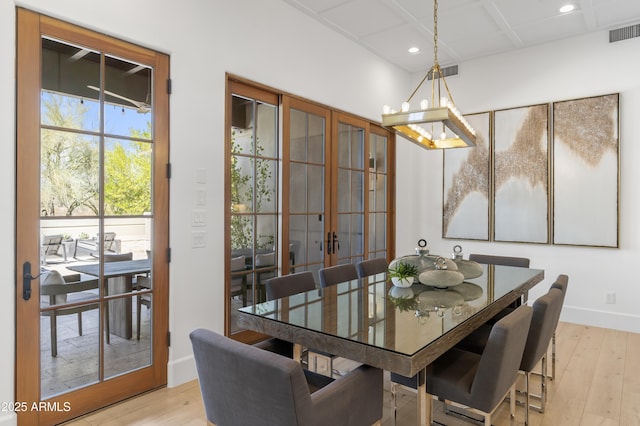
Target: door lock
(26,280)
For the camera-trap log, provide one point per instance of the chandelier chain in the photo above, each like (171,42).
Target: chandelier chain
(435,32)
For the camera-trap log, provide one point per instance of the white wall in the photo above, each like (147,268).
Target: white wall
(579,67)
(7,192)
(271,43)
(263,40)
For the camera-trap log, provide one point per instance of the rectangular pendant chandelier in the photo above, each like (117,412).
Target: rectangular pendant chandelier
(415,126)
(440,127)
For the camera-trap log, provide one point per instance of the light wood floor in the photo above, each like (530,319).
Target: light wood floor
(597,383)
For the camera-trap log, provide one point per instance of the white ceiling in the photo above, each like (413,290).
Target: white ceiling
(467,29)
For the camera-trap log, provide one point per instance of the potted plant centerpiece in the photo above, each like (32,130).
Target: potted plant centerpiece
(403,298)
(403,274)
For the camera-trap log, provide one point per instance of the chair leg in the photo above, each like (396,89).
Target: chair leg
(394,402)
(79,323)
(526,397)
(138,314)
(54,334)
(512,404)
(543,384)
(106,323)
(553,356)
(244,291)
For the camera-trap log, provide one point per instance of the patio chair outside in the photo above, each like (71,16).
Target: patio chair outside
(91,246)
(51,245)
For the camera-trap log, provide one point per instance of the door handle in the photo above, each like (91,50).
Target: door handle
(328,242)
(336,242)
(26,280)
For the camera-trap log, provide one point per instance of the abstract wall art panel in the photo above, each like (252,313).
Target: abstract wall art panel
(521,174)
(586,171)
(466,183)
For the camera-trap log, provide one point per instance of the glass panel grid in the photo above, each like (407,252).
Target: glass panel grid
(254,200)
(86,100)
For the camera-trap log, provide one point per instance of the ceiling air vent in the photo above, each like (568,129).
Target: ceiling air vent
(446,71)
(624,33)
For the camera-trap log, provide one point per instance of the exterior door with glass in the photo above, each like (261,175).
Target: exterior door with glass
(305,170)
(92,150)
(319,198)
(347,191)
(253,174)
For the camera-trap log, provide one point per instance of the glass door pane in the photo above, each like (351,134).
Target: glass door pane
(254,221)
(378,194)
(96,155)
(307,174)
(350,193)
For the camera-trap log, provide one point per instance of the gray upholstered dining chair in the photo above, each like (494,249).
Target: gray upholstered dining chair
(366,268)
(243,385)
(288,285)
(480,382)
(490,259)
(561,283)
(330,276)
(546,313)
(279,287)
(337,274)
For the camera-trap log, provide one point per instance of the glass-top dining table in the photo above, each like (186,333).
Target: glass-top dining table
(402,330)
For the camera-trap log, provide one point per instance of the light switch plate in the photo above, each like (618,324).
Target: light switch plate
(198,239)
(201,176)
(198,218)
(201,197)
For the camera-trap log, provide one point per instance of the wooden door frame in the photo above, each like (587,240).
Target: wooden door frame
(365,125)
(30,28)
(287,101)
(240,88)
(391,187)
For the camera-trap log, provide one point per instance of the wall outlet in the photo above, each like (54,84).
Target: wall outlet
(611,298)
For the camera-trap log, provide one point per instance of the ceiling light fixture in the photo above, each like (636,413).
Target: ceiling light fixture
(442,125)
(567,8)
(414,49)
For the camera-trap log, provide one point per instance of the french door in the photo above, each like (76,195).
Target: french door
(92,224)
(328,182)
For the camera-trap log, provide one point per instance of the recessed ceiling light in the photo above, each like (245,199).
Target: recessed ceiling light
(567,8)
(414,49)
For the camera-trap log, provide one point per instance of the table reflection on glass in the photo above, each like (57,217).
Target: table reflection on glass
(365,324)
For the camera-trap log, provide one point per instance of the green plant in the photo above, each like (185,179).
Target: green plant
(403,270)
(404,304)
(249,174)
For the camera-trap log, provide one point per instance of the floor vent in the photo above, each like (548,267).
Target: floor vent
(624,33)
(446,71)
